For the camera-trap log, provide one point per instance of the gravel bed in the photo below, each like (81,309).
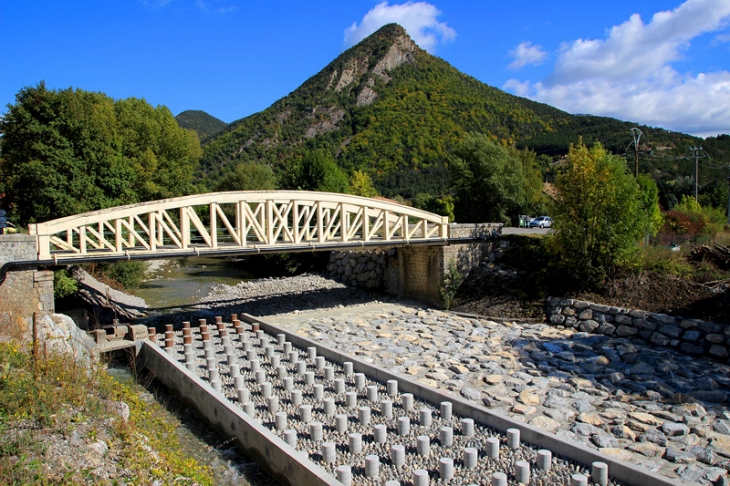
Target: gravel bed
(560,473)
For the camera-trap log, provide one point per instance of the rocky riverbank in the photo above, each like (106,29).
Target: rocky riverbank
(651,406)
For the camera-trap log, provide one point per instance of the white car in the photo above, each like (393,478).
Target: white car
(541,222)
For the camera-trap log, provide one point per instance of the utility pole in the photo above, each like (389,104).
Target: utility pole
(636,134)
(695,151)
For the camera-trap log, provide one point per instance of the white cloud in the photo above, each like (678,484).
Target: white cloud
(525,54)
(630,73)
(418,18)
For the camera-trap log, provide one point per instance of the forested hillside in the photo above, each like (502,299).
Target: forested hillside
(200,122)
(389,108)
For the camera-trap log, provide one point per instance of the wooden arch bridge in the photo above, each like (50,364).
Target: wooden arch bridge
(238,222)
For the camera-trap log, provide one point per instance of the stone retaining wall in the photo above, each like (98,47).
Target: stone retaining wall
(691,336)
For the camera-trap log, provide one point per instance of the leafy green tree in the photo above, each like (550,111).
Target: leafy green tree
(70,151)
(443,205)
(362,185)
(598,214)
(487,181)
(316,171)
(247,177)
(649,194)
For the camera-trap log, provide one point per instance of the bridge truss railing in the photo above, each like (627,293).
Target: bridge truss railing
(235,221)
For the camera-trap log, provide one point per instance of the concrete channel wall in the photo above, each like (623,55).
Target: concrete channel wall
(289,466)
(285,464)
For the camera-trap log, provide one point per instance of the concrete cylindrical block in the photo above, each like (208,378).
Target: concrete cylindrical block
(329,452)
(249,409)
(446,468)
(243,395)
(341,423)
(280,420)
(493,448)
(398,455)
(446,436)
(392,387)
(246,347)
(317,391)
(205,336)
(467,427)
(359,381)
(273,403)
(372,393)
(339,386)
(255,365)
(208,346)
(344,475)
(579,480)
(423,445)
(269,351)
(293,355)
(287,349)
(290,437)
(309,378)
(329,373)
(328,406)
(216,384)
(513,438)
(355,443)
(187,339)
(239,382)
(265,389)
(372,466)
(319,363)
(351,399)
(315,431)
(288,383)
(251,354)
(312,353)
(599,473)
(348,368)
(446,408)
(213,374)
(305,413)
(407,401)
(470,457)
(301,367)
(420,477)
(499,479)
(544,459)
(380,433)
(275,361)
(235,370)
(522,472)
(209,353)
(404,425)
(296,397)
(386,409)
(363,416)
(281,339)
(424,417)
(191,366)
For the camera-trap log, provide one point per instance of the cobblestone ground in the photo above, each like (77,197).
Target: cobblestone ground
(654,407)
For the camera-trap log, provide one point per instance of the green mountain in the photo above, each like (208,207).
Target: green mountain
(389,108)
(200,122)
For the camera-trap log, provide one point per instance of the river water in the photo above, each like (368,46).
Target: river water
(179,283)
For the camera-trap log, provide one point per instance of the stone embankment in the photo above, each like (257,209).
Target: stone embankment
(691,336)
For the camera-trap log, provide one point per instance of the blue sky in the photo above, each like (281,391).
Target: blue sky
(658,62)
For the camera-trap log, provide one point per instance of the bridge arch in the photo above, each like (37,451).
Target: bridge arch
(236,222)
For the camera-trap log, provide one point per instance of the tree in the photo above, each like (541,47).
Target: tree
(443,205)
(649,194)
(598,216)
(247,177)
(487,181)
(71,151)
(316,171)
(362,185)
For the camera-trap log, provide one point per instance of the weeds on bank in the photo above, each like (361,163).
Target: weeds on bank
(48,401)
